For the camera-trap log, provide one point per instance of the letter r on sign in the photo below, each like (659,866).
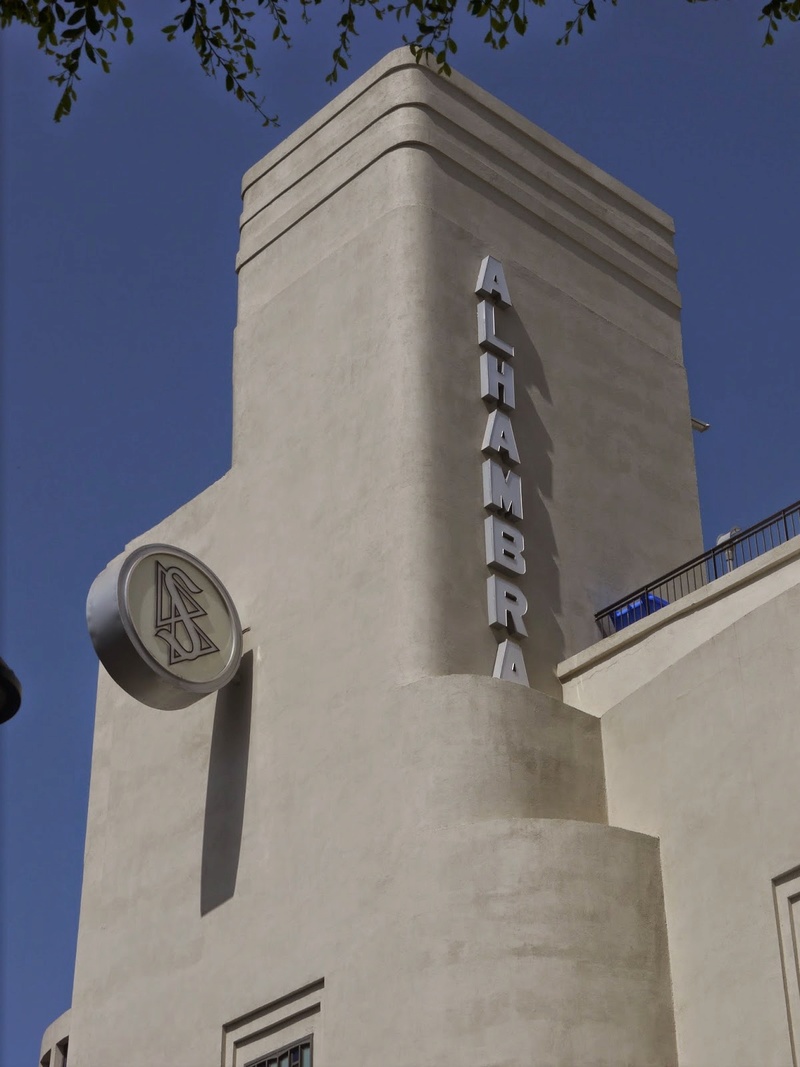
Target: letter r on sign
(507,605)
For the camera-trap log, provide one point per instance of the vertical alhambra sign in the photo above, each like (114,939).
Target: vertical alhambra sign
(502,485)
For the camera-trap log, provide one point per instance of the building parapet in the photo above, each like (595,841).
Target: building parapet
(605,673)
(731,551)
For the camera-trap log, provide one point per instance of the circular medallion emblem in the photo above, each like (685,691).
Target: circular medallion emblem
(164,626)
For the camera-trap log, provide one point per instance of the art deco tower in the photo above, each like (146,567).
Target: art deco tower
(367,848)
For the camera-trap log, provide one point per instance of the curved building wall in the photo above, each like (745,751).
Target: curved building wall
(515,941)
(431,862)
(54,1051)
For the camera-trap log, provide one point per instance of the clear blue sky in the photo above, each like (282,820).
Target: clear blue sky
(119,236)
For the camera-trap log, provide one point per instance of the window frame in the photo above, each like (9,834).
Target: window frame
(263,1059)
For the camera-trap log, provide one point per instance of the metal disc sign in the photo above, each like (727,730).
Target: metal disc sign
(164,626)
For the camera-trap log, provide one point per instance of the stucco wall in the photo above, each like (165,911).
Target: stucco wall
(701,751)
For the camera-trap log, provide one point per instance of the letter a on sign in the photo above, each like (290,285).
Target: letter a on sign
(509,663)
(492,282)
(499,439)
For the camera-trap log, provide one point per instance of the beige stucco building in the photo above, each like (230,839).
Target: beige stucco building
(367,850)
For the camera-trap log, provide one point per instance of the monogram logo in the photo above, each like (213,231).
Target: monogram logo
(176,615)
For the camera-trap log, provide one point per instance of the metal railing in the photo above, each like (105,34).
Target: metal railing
(698,572)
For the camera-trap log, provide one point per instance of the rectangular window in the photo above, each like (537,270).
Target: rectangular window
(295,1055)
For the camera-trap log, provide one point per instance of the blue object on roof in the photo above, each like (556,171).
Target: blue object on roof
(637,609)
